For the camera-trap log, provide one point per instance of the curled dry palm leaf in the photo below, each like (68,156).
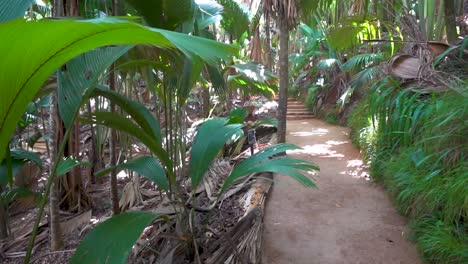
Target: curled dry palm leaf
(24,69)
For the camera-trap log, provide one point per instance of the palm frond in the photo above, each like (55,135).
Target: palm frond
(328,64)
(11,9)
(362,61)
(109,242)
(147,166)
(262,162)
(79,76)
(365,76)
(254,78)
(235,18)
(210,138)
(209,12)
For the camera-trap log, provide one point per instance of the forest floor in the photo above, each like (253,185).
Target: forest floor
(347,219)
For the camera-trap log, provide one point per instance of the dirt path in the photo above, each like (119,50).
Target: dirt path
(347,220)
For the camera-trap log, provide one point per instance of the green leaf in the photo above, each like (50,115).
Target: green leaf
(26,155)
(235,18)
(16,165)
(217,79)
(237,115)
(344,37)
(361,61)
(147,166)
(20,192)
(112,240)
(11,9)
(210,138)
(80,75)
(151,11)
(269,122)
(261,162)
(139,113)
(126,125)
(18,158)
(67,164)
(209,12)
(190,74)
(24,69)
(253,78)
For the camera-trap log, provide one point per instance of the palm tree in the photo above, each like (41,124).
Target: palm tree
(286,14)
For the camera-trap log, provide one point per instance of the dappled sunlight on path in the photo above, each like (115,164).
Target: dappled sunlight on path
(348,219)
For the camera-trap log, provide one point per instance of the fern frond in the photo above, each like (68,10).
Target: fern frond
(328,63)
(366,60)
(365,76)
(235,18)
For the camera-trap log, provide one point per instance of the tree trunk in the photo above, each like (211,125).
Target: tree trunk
(3,218)
(58,10)
(113,139)
(92,152)
(283,78)
(74,11)
(450,21)
(112,153)
(269,54)
(206,101)
(56,239)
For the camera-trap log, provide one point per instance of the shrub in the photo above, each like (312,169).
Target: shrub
(416,146)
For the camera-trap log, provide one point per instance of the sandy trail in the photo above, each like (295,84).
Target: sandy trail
(348,219)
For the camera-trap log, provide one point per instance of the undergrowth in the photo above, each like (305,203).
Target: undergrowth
(416,146)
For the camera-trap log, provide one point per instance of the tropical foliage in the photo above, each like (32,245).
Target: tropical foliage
(98,88)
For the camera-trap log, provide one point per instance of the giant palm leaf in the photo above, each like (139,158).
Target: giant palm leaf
(81,74)
(25,65)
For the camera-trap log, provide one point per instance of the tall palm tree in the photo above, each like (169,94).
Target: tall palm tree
(286,14)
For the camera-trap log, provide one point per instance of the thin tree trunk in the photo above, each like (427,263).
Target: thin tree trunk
(73,8)
(206,101)
(113,139)
(56,239)
(283,78)
(92,152)
(3,219)
(58,10)
(112,153)
(450,21)
(269,54)
(55,232)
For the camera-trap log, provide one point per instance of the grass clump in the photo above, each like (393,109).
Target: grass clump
(416,146)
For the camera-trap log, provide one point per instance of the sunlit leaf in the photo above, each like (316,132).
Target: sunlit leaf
(210,138)
(262,162)
(147,166)
(24,69)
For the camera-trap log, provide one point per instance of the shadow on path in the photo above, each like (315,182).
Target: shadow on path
(348,219)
